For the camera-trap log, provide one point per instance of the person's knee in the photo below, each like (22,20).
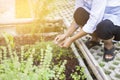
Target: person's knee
(104,29)
(103,25)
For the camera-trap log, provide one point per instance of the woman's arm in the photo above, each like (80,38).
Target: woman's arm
(68,41)
(68,33)
(80,34)
(96,15)
(71,29)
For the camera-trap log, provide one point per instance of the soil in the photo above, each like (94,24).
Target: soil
(67,54)
(29,39)
(72,62)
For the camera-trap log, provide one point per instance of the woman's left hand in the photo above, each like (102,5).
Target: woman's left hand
(66,43)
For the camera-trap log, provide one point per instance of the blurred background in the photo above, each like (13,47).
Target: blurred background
(29,21)
(14,9)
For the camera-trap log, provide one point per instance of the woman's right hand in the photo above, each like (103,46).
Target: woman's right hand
(59,38)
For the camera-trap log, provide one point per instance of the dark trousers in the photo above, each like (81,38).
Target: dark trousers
(105,29)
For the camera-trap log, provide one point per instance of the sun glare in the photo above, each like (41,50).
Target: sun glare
(18,9)
(14,12)
(22,9)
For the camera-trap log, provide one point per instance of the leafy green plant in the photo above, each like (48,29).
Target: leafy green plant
(116,63)
(107,72)
(19,67)
(13,69)
(102,64)
(35,62)
(78,74)
(117,75)
(112,67)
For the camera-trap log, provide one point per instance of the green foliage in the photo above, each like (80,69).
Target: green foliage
(20,65)
(107,72)
(112,67)
(102,64)
(14,69)
(9,39)
(35,62)
(117,75)
(78,74)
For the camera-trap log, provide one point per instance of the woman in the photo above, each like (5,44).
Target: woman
(101,19)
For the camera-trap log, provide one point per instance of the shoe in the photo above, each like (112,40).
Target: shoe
(109,52)
(91,44)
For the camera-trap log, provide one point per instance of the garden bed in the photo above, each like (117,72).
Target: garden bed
(31,55)
(40,61)
(29,33)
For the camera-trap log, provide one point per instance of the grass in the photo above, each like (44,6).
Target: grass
(112,67)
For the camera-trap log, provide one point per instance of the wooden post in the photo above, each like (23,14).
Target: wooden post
(97,70)
(81,62)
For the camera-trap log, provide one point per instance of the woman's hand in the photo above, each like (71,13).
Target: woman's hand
(66,43)
(59,38)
